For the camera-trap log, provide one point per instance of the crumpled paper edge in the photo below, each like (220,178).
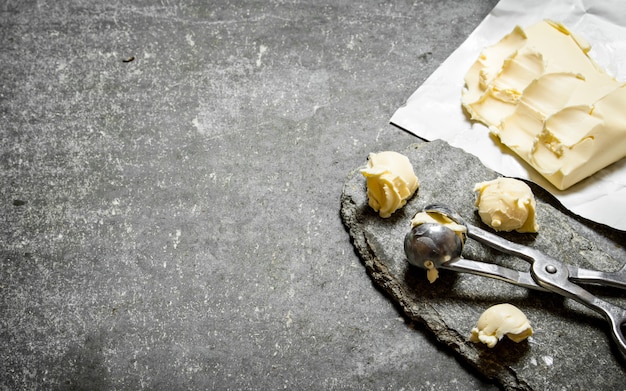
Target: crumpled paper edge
(434,110)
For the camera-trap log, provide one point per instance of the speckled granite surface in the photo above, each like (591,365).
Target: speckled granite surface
(570,342)
(172,222)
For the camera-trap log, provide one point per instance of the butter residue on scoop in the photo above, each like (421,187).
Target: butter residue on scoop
(391,181)
(500,320)
(507,204)
(541,94)
(432,273)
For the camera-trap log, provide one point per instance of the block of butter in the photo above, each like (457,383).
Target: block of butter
(541,94)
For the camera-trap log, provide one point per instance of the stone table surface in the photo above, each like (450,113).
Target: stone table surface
(170,177)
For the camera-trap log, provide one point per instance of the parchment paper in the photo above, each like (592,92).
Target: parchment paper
(434,111)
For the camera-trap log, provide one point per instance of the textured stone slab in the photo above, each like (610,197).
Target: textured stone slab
(571,347)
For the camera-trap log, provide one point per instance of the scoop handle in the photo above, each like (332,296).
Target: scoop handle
(519,278)
(614,279)
(506,246)
(555,277)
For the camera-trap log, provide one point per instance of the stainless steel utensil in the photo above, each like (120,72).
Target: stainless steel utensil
(442,247)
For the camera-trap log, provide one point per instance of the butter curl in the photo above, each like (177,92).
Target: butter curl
(391,181)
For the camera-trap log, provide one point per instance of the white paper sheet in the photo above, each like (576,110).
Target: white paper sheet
(434,111)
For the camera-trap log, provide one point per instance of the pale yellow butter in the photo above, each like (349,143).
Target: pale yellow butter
(507,204)
(439,218)
(540,93)
(391,181)
(500,320)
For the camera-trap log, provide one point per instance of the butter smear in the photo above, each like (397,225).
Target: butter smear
(541,94)
(391,181)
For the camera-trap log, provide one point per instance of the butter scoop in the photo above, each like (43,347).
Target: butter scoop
(500,320)
(440,246)
(391,181)
(507,204)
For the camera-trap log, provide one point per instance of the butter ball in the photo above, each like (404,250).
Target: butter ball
(507,204)
(500,320)
(391,181)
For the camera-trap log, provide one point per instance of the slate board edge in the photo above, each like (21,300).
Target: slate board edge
(502,375)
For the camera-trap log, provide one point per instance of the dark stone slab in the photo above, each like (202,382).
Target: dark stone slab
(570,343)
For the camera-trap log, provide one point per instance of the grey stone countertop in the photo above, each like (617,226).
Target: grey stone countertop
(170,181)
